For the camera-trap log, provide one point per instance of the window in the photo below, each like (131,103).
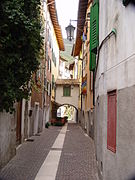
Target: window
(45,83)
(53,82)
(49,64)
(66,90)
(48,90)
(111,121)
(54,58)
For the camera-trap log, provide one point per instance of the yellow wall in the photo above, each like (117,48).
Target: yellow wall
(55,68)
(89,97)
(80,78)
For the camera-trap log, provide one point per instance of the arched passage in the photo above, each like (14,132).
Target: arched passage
(68,110)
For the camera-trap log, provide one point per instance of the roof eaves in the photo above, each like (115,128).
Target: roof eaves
(82,8)
(57,27)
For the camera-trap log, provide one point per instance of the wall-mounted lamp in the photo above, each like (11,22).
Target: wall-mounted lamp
(70,32)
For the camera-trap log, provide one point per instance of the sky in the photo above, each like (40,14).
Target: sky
(66,10)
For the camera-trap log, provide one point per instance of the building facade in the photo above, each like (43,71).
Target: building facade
(115,90)
(67,95)
(108,84)
(54,44)
(82,51)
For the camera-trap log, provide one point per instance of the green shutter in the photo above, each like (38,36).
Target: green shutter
(66,91)
(92,61)
(94,27)
(94,33)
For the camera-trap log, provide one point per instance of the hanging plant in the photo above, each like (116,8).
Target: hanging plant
(20,47)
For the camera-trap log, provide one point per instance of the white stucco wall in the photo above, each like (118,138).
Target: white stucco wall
(72,100)
(117,55)
(116,70)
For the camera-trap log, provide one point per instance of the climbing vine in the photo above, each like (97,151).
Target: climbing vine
(20,47)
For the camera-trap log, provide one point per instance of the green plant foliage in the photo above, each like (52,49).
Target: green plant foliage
(20,47)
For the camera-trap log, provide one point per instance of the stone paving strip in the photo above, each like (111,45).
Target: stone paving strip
(49,168)
(77,160)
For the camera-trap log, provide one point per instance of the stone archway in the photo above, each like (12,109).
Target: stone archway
(70,105)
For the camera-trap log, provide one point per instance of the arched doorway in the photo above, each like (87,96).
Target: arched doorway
(69,111)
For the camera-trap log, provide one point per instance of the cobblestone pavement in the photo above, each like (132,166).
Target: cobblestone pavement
(30,156)
(77,160)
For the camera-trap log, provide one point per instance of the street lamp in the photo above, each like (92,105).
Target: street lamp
(70,32)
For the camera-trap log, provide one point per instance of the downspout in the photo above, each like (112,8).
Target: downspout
(113,32)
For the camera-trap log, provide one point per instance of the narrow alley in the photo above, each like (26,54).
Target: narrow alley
(67,89)
(67,158)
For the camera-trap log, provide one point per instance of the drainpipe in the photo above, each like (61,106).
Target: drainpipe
(113,32)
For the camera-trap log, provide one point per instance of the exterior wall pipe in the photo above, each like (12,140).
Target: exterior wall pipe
(113,32)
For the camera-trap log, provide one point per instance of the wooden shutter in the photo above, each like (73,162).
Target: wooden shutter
(92,61)
(66,90)
(94,34)
(94,27)
(111,121)
(69,91)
